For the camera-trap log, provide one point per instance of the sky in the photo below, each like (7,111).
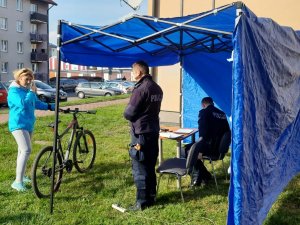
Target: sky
(89,12)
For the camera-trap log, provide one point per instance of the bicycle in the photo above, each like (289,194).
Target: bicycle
(84,153)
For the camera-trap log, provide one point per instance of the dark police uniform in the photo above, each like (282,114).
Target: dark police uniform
(143,113)
(212,124)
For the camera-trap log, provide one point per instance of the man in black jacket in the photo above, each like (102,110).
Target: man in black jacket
(212,124)
(143,113)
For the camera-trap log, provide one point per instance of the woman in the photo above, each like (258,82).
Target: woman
(22,101)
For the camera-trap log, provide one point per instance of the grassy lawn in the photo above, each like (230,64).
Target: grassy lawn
(4,110)
(87,198)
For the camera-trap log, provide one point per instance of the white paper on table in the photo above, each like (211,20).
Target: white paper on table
(169,135)
(184,131)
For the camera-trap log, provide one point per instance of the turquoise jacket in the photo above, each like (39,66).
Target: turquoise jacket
(22,102)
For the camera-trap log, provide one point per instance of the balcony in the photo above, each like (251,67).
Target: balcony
(38,18)
(38,38)
(38,57)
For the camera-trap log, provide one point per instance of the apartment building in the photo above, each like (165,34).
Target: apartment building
(24,37)
(283,12)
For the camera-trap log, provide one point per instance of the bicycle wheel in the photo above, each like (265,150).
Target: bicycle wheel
(42,170)
(84,152)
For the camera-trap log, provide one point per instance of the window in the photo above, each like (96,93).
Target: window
(3,23)
(33,8)
(4,46)
(95,86)
(19,47)
(20,65)
(4,67)
(19,26)
(20,5)
(74,67)
(3,3)
(33,28)
(85,85)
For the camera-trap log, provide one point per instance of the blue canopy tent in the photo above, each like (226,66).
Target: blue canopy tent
(260,89)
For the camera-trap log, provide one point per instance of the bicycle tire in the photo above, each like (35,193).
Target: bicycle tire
(42,170)
(84,156)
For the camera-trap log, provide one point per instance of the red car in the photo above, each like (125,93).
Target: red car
(3,95)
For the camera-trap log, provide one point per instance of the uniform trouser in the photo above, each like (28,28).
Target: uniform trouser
(199,171)
(143,168)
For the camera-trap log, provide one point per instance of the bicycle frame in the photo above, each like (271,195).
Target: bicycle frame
(74,125)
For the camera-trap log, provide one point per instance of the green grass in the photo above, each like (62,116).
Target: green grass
(93,99)
(79,101)
(87,198)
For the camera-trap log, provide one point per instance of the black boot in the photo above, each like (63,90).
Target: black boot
(196,175)
(141,201)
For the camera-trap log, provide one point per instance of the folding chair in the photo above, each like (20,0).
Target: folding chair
(178,167)
(222,150)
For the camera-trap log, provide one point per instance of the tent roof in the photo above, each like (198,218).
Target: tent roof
(145,37)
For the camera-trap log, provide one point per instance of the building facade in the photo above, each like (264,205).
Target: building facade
(283,12)
(68,70)
(24,37)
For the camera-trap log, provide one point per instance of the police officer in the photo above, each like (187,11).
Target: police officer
(143,113)
(212,124)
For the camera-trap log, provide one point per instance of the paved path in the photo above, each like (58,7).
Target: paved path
(39,113)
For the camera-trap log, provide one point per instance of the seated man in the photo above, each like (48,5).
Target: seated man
(212,124)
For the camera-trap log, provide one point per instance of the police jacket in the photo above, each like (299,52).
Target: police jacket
(212,124)
(144,106)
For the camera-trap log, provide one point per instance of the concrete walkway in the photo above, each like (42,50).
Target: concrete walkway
(40,113)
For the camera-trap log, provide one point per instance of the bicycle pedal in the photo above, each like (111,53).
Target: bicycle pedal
(69,165)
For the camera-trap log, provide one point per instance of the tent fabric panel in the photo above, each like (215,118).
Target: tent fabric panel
(266,114)
(105,60)
(213,73)
(192,94)
(164,48)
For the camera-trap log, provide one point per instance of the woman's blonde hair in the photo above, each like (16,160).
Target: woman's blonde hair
(23,72)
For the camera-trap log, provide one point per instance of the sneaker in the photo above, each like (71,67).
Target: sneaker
(18,186)
(26,180)
(138,207)
(135,207)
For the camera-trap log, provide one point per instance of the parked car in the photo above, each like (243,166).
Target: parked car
(66,84)
(110,88)
(46,93)
(123,86)
(3,95)
(94,89)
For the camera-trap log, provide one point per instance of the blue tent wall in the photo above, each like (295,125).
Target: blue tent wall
(206,74)
(266,117)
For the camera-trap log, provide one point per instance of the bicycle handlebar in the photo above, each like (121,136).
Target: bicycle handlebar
(77,110)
